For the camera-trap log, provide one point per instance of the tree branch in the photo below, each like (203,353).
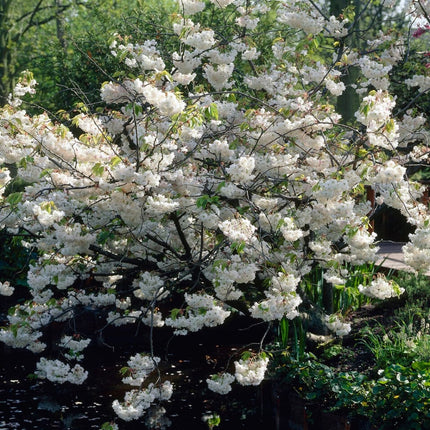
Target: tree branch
(149,265)
(181,235)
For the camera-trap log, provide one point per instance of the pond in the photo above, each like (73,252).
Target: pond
(30,404)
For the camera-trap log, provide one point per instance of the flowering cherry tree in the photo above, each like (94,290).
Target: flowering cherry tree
(214,180)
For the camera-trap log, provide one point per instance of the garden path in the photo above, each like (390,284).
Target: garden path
(391,256)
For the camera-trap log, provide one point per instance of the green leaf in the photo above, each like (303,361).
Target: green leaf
(243,210)
(220,186)
(238,247)
(231,98)
(24,161)
(206,200)
(365,109)
(45,172)
(263,355)
(349,13)
(104,236)
(390,125)
(214,421)
(421,365)
(98,169)
(124,371)
(14,198)
(107,426)
(174,313)
(164,74)
(246,355)
(211,112)
(115,161)
(48,206)
(14,329)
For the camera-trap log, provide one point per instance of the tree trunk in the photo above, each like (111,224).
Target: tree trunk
(327,297)
(59,21)
(6,52)
(349,102)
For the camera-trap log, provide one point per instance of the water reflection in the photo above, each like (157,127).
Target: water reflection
(29,404)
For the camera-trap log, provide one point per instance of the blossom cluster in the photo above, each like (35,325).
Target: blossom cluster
(375,114)
(381,288)
(136,402)
(57,371)
(75,346)
(202,311)
(140,366)
(282,299)
(220,383)
(250,371)
(217,176)
(6,289)
(335,324)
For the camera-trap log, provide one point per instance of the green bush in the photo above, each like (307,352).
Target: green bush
(397,398)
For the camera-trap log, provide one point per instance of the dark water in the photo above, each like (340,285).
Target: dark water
(31,404)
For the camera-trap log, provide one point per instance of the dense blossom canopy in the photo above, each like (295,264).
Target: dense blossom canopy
(215,179)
